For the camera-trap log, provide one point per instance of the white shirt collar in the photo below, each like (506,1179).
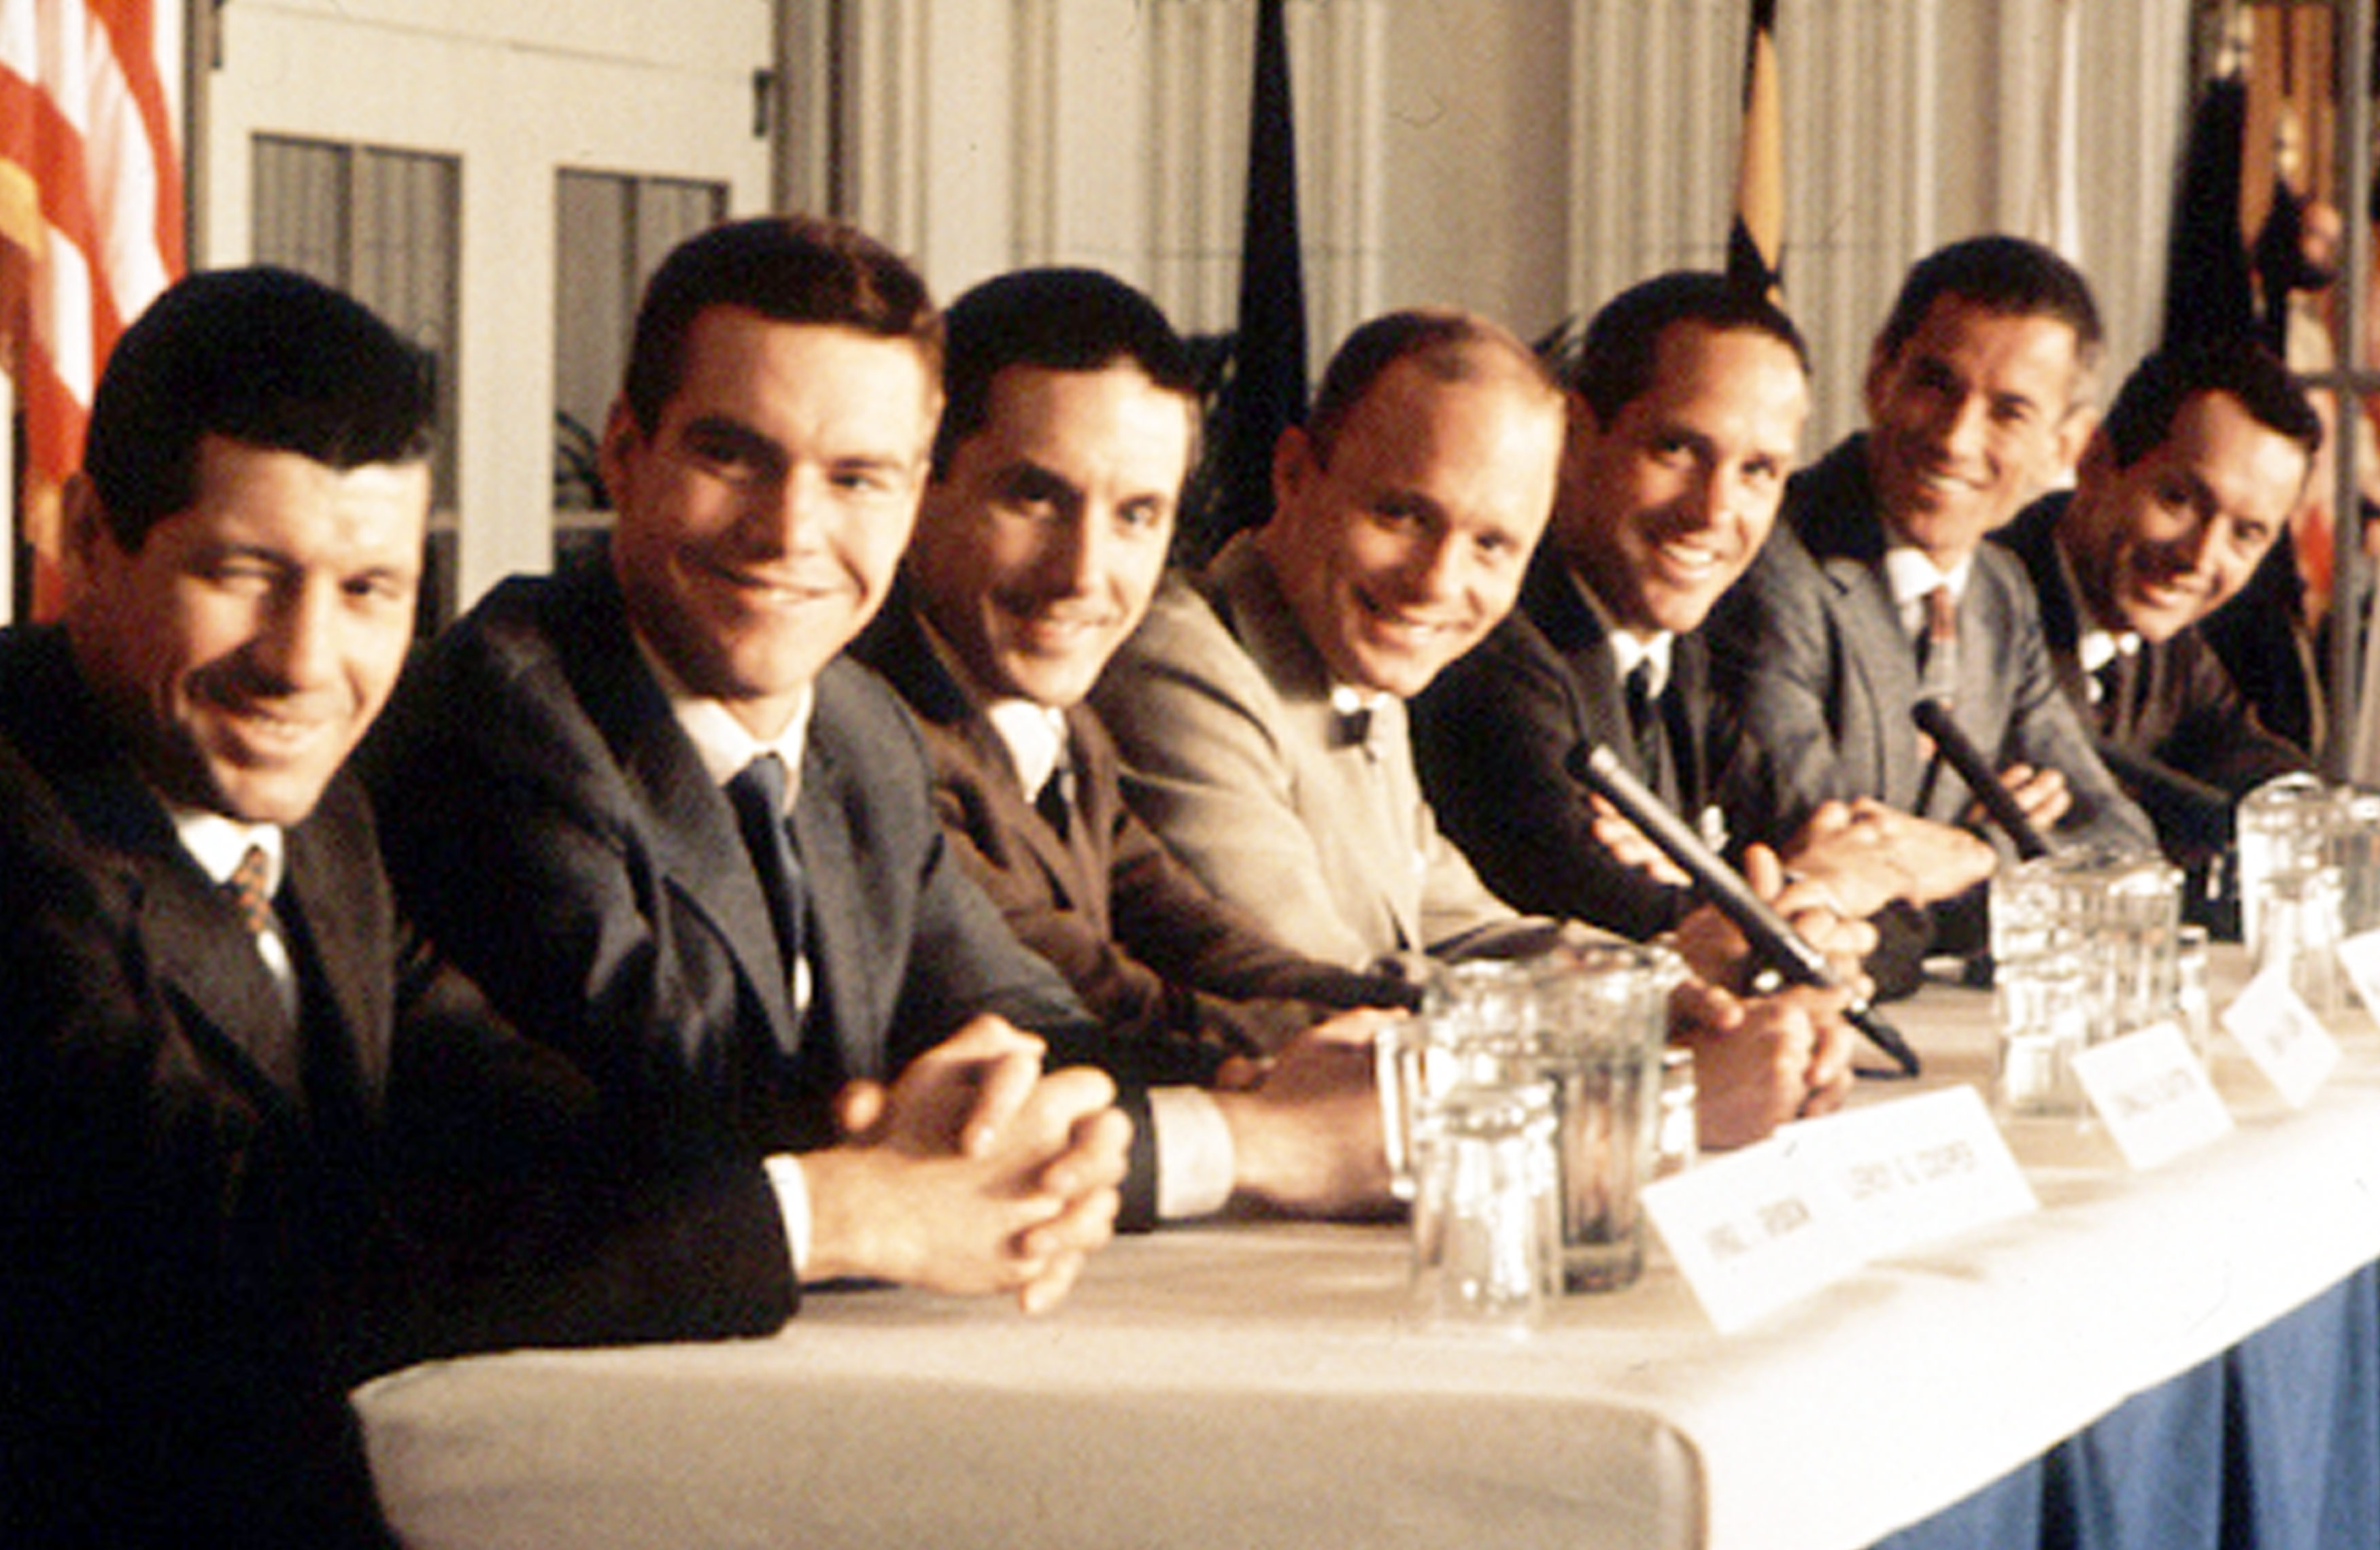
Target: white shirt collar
(1036,736)
(1628,647)
(2099,647)
(218,843)
(1911,574)
(724,743)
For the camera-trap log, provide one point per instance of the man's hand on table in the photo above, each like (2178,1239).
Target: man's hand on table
(973,1173)
(1762,1060)
(1305,1134)
(1869,855)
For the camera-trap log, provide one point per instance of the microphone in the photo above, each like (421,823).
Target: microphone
(1772,937)
(1935,720)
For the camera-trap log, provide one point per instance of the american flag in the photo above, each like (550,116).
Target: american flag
(90,215)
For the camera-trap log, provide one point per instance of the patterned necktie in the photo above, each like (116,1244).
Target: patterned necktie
(759,793)
(1938,655)
(245,887)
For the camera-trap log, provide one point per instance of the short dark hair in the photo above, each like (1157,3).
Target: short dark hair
(1444,343)
(261,356)
(2142,415)
(2004,275)
(1061,320)
(790,268)
(1611,365)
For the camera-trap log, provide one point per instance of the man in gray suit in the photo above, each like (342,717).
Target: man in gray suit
(1261,707)
(1976,391)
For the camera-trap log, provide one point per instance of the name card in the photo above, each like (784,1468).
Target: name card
(2360,956)
(2282,1033)
(1747,1236)
(2152,1092)
(1916,1169)
(1757,1229)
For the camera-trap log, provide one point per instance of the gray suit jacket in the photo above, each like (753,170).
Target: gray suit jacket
(1235,756)
(1826,675)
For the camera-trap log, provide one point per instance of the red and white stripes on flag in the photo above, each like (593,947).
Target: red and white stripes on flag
(91,211)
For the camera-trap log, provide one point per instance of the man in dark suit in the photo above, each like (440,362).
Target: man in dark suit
(1686,400)
(674,837)
(1069,414)
(255,1143)
(2183,489)
(1975,389)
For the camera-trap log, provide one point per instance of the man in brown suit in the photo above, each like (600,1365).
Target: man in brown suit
(1070,420)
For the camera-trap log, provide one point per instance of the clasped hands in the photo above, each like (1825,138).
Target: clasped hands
(974,1172)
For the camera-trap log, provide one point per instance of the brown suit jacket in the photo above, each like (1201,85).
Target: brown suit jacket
(1144,943)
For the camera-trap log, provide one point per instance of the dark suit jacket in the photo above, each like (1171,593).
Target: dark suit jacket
(1148,949)
(1494,737)
(2184,739)
(196,1259)
(553,829)
(1827,676)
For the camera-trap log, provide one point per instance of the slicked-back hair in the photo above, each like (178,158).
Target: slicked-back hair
(2007,275)
(1448,345)
(789,269)
(2142,417)
(1612,365)
(1060,320)
(260,355)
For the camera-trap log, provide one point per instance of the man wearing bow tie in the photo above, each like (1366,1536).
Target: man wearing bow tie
(2182,489)
(1261,705)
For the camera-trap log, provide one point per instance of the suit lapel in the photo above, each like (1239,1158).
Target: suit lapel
(695,835)
(831,865)
(1881,660)
(342,934)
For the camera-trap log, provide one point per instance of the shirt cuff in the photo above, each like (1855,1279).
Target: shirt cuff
(792,1189)
(1195,1162)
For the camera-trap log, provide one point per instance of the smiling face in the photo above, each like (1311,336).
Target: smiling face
(247,645)
(1969,419)
(1661,510)
(2163,543)
(1039,548)
(760,520)
(1401,547)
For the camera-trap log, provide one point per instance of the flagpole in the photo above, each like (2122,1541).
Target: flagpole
(1755,245)
(1265,390)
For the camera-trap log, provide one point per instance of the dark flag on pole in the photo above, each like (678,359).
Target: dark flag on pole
(2209,291)
(1755,245)
(1265,389)
(2210,294)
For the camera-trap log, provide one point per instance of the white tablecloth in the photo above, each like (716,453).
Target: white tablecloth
(1264,1385)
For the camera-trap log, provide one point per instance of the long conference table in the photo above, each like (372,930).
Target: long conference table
(2186,1356)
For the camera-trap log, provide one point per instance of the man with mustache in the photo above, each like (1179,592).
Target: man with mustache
(1261,705)
(1976,391)
(1686,399)
(2183,489)
(1070,419)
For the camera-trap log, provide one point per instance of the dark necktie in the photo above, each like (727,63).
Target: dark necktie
(1055,801)
(1644,724)
(759,793)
